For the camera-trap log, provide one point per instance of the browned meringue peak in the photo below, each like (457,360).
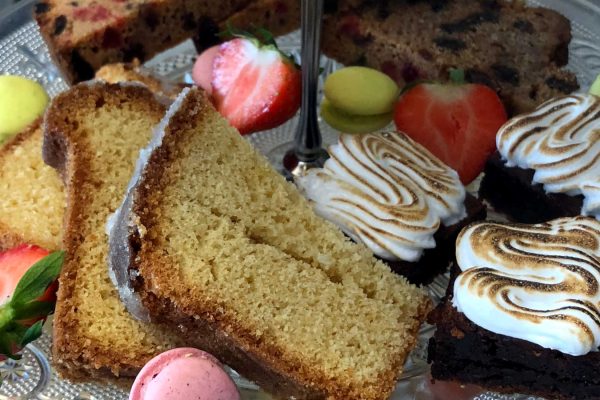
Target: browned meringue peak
(387,191)
(539,283)
(560,140)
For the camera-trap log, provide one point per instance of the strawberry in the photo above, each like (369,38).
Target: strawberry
(255,86)
(457,122)
(27,295)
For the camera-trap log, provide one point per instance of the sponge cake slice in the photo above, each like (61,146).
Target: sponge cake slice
(93,134)
(32,199)
(212,241)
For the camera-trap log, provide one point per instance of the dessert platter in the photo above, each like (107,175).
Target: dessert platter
(436,235)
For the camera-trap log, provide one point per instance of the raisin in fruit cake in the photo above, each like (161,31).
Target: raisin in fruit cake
(212,241)
(92,135)
(387,191)
(549,161)
(522,313)
(516,50)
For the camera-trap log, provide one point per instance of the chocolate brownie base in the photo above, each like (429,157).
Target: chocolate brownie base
(510,191)
(464,352)
(435,261)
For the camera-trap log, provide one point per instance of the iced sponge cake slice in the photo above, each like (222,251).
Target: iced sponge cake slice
(214,242)
(93,134)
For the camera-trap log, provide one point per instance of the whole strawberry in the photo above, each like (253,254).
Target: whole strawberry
(457,122)
(27,295)
(254,85)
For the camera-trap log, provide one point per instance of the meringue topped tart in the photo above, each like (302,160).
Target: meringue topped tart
(523,312)
(390,193)
(549,157)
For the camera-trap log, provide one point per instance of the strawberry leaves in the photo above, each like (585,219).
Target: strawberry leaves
(262,39)
(22,317)
(37,279)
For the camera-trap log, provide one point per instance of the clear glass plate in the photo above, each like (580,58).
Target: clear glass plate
(23,52)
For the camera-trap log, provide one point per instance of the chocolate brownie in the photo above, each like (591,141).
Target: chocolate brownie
(436,261)
(548,162)
(508,189)
(506,326)
(516,50)
(461,351)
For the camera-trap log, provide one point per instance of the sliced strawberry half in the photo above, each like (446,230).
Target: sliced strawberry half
(456,122)
(255,86)
(28,283)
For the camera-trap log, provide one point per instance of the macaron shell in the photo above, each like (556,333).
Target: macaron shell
(203,67)
(595,88)
(347,123)
(361,91)
(183,374)
(21,102)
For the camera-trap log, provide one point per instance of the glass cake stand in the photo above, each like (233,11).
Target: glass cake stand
(23,52)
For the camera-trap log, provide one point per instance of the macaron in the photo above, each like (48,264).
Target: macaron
(203,67)
(183,374)
(361,91)
(595,88)
(21,102)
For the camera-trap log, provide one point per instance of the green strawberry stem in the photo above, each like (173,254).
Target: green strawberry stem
(7,314)
(457,76)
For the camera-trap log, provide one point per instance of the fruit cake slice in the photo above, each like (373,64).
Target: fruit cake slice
(32,199)
(84,35)
(214,242)
(516,50)
(93,134)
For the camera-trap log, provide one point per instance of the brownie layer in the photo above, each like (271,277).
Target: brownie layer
(435,261)
(462,351)
(510,191)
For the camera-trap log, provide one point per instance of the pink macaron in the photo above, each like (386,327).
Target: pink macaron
(183,374)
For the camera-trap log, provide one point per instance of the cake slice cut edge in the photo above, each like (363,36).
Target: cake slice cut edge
(31,193)
(213,242)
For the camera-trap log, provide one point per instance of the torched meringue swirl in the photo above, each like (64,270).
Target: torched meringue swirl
(387,191)
(560,140)
(539,283)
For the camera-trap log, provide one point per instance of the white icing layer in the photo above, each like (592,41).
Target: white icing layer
(386,191)
(539,283)
(121,223)
(560,140)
